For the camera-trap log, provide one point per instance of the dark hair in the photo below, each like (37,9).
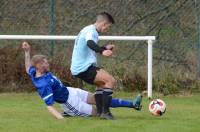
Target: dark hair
(107,16)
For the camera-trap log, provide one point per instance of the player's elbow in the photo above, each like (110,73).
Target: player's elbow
(49,107)
(27,69)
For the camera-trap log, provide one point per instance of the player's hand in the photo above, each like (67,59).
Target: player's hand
(107,53)
(60,118)
(26,47)
(110,46)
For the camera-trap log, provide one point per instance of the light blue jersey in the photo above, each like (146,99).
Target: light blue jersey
(83,57)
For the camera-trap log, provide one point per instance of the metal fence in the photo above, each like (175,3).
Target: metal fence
(174,22)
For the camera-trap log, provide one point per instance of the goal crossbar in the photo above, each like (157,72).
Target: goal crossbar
(149,39)
(61,37)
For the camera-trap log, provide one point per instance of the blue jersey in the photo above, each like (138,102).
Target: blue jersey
(82,56)
(49,87)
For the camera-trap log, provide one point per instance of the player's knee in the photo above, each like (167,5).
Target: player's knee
(111,82)
(114,82)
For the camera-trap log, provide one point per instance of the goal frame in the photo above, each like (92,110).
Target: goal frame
(150,40)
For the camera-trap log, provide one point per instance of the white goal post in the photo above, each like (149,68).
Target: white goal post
(149,39)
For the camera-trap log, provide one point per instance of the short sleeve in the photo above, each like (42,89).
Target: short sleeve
(91,35)
(31,71)
(49,100)
(47,95)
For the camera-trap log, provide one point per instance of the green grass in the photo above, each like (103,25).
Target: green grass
(27,113)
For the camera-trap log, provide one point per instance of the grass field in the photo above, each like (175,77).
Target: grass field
(27,113)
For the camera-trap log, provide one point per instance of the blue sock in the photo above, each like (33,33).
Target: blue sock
(121,103)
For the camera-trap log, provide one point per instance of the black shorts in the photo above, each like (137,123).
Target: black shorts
(89,75)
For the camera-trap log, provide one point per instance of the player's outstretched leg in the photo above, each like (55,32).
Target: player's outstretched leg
(135,103)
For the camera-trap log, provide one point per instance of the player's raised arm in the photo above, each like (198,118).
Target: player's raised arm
(26,47)
(54,112)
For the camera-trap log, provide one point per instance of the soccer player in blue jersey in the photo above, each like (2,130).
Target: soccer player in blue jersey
(74,101)
(84,62)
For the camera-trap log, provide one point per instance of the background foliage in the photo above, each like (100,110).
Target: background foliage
(174,22)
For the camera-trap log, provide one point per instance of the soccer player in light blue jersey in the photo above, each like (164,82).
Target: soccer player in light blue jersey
(84,62)
(74,101)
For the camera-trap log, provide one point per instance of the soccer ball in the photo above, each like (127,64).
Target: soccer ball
(157,107)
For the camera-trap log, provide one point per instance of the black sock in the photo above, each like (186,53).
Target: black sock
(107,98)
(99,100)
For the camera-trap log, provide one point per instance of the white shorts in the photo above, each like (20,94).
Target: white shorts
(76,104)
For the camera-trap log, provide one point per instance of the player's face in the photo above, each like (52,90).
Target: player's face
(43,66)
(105,26)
